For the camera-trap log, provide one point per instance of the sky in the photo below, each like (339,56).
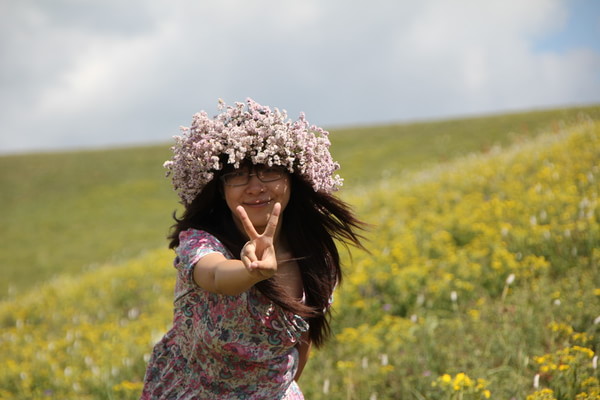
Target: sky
(78,74)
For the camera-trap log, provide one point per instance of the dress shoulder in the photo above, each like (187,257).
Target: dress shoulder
(193,245)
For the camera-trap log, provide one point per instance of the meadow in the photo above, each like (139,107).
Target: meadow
(483,280)
(64,213)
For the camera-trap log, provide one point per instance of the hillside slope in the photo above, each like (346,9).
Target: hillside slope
(484,272)
(68,212)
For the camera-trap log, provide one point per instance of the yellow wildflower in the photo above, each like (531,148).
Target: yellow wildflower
(544,394)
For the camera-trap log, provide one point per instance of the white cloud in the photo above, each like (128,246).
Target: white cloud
(77,74)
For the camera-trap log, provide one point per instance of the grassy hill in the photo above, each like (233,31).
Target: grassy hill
(69,212)
(484,270)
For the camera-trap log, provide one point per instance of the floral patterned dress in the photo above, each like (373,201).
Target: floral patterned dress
(223,347)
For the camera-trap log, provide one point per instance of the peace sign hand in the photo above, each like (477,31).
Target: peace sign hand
(258,254)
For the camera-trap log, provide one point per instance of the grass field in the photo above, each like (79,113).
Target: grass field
(483,278)
(69,212)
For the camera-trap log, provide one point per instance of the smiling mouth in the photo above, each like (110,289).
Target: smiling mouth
(257,203)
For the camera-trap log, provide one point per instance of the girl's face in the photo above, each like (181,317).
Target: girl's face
(256,188)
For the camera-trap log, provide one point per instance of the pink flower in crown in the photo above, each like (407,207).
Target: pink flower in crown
(250,132)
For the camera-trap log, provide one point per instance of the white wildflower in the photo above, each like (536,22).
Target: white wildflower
(510,279)
(250,132)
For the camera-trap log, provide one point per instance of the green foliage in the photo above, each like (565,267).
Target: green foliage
(87,337)
(483,277)
(66,212)
(368,153)
(434,307)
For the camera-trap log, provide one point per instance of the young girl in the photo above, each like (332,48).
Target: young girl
(256,256)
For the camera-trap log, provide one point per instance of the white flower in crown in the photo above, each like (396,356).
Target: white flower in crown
(255,133)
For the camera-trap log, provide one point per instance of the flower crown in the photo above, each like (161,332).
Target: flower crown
(255,133)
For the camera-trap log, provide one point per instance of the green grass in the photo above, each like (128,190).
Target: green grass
(65,212)
(371,152)
(435,296)
(68,212)
(484,272)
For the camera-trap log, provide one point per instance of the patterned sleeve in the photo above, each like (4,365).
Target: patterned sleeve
(193,245)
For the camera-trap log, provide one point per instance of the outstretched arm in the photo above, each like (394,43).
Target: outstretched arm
(217,274)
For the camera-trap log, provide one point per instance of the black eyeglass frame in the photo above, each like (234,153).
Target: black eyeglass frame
(257,172)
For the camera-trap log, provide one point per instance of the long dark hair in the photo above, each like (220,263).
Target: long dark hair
(311,224)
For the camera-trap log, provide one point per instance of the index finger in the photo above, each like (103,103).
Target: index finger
(246,223)
(273,221)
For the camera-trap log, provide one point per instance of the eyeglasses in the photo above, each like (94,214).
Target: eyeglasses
(241,177)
